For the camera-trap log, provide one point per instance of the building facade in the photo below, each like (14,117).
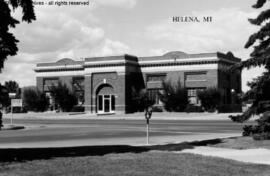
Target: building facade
(105,84)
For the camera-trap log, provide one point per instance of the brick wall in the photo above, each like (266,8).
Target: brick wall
(39,83)
(92,83)
(88,94)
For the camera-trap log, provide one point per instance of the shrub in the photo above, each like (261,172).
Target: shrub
(19,110)
(192,108)
(260,131)
(63,97)
(141,100)
(174,97)
(247,130)
(1,120)
(226,108)
(157,109)
(4,98)
(78,109)
(262,136)
(34,100)
(210,99)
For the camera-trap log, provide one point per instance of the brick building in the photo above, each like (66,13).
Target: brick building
(106,83)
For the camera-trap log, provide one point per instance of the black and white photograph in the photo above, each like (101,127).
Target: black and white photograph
(134,87)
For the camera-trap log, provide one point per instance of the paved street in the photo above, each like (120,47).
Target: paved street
(74,132)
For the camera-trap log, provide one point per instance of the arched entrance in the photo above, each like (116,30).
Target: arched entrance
(105,100)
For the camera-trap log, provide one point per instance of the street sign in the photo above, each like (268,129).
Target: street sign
(12,95)
(16,102)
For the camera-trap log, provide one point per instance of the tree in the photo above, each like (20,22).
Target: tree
(174,96)
(8,42)
(63,97)
(4,99)
(210,98)
(260,56)
(34,100)
(12,86)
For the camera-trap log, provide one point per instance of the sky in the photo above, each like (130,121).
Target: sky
(136,27)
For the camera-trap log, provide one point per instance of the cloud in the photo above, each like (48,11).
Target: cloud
(64,34)
(156,52)
(58,32)
(77,32)
(21,72)
(118,3)
(228,31)
(107,47)
(114,48)
(21,66)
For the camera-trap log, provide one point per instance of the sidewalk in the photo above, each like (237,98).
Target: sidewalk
(257,156)
(132,141)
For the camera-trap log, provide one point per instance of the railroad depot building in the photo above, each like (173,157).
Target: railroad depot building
(106,83)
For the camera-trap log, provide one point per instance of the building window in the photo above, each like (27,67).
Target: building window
(49,82)
(113,102)
(195,76)
(193,95)
(100,102)
(238,90)
(78,83)
(51,101)
(156,77)
(154,95)
(78,88)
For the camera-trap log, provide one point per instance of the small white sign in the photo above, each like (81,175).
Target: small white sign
(16,102)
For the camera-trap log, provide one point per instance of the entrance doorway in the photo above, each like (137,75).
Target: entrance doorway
(105,99)
(106,104)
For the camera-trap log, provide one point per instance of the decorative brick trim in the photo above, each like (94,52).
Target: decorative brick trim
(57,69)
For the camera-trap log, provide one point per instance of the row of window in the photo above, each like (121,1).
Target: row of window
(77,83)
(154,95)
(192,76)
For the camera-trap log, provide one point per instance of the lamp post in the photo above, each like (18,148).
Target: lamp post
(232,95)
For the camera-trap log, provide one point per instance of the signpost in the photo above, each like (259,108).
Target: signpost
(15,103)
(148,114)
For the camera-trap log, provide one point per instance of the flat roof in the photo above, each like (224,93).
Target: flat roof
(177,55)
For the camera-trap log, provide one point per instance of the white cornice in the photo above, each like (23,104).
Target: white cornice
(60,73)
(179,60)
(105,69)
(109,62)
(179,68)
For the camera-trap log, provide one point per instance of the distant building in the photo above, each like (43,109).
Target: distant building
(106,83)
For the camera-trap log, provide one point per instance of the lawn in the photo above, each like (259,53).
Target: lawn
(242,143)
(153,163)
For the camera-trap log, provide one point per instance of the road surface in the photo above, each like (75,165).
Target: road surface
(74,132)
